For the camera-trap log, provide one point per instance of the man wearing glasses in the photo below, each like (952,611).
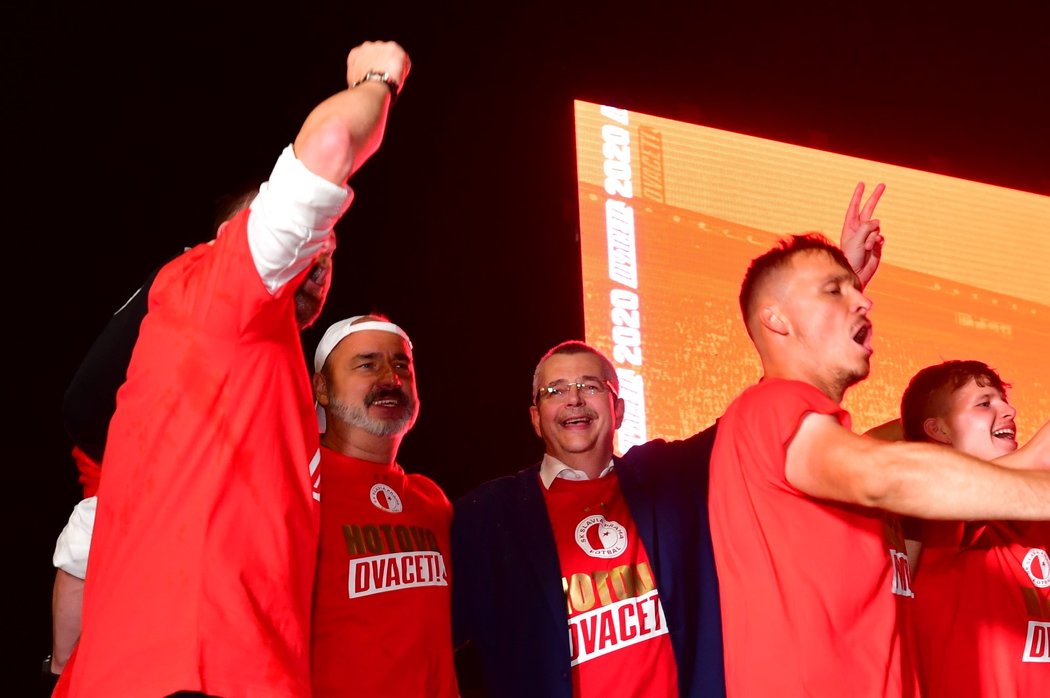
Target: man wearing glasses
(616,551)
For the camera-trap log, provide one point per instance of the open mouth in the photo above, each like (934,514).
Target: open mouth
(577,420)
(863,335)
(387,403)
(389,399)
(1007,433)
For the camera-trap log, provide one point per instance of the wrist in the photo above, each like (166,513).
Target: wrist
(386,78)
(48,678)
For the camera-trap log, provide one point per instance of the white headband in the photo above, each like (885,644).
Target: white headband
(335,334)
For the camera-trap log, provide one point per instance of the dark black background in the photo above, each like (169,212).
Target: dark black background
(129,123)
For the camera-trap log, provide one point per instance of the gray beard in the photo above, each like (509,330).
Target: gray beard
(357,416)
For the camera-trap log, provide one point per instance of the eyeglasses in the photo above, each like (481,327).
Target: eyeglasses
(560,390)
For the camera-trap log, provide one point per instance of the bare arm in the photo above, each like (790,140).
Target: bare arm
(293,216)
(70,560)
(343,131)
(67,598)
(929,481)
(892,430)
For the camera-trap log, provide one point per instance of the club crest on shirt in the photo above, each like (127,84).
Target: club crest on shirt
(1037,564)
(601,538)
(385,498)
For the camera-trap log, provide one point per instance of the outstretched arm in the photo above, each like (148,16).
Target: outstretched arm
(861,239)
(1034,454)
(916,479)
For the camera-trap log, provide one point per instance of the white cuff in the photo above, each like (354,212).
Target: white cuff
(292,219)
(71,549)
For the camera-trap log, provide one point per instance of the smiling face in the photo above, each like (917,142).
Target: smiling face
(370,384)
(577,426)
(977,420)
(823,317)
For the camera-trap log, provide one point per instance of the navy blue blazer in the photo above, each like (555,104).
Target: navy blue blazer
(507,597)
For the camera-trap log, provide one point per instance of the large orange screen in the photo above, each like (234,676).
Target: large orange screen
(672,213)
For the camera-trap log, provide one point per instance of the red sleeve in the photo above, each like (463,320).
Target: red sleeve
(771,412)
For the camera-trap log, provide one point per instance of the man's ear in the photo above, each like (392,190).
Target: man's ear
(769,318)
(320,389)
(534,412)
(618,410)
(936,431)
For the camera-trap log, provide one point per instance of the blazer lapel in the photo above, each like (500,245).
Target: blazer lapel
(639,498)
(537,542)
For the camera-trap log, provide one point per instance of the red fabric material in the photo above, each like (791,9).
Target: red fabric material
(993,592)
(205,540)
(382,623)
(814,594)
(618,634)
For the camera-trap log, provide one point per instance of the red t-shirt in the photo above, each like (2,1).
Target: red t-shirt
(982,610)
(382,608)
(617,631)
(811,590)
(205,541)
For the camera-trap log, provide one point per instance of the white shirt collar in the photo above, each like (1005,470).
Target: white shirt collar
(551,468)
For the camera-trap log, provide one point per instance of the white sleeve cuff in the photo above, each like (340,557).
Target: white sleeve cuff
(71,549)
(292,219)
